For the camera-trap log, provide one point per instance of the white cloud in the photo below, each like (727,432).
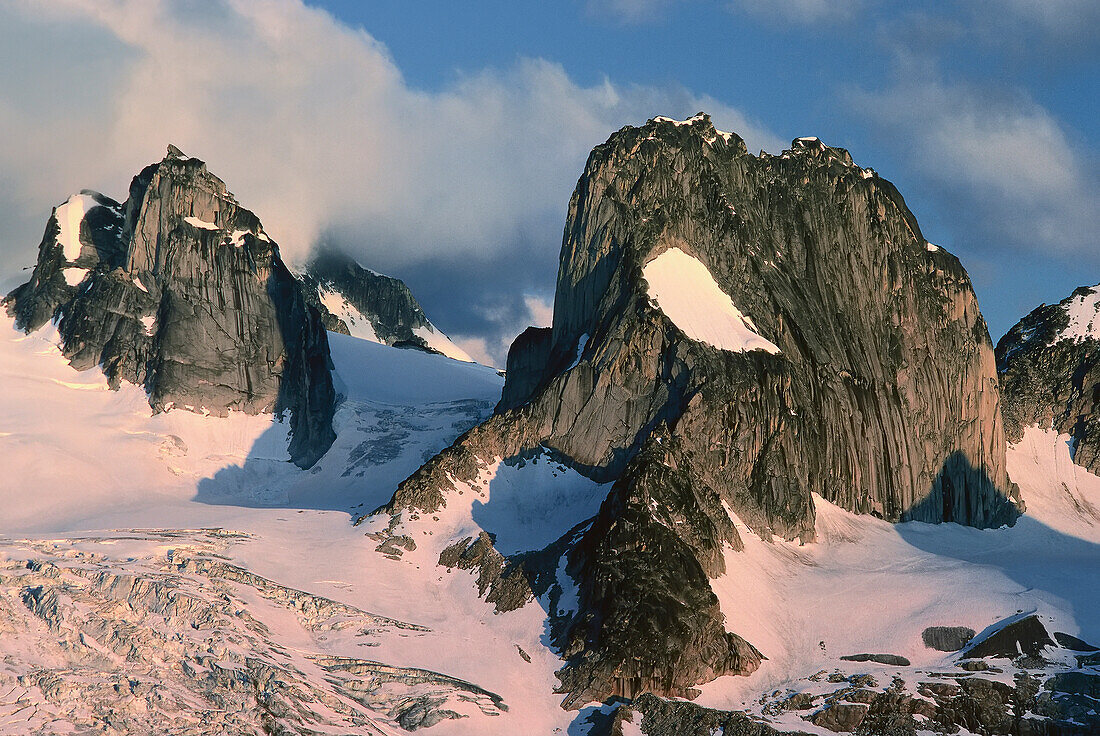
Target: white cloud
(307,120)
(799,12)
(1003,164)
(629,11)
(541,310)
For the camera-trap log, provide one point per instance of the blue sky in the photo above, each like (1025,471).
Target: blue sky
(814,68)
(439,141)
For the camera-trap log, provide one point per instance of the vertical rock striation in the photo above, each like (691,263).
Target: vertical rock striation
(181,291)
(733,334)
(1049,364)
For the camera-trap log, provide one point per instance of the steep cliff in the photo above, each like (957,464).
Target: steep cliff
(732,334)
(181,291)
(357,301)
(1049,364)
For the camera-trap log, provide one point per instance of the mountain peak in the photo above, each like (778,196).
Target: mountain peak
(180,291)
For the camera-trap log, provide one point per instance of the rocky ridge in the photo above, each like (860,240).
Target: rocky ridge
(180,290)
(1049,365)
(841,329)
(357,301)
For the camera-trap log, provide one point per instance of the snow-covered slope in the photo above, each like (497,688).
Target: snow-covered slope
(84,467)
(183,560)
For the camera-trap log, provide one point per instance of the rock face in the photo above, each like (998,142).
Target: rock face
(181,291)
(1049,364)
(357,301)
(947,638)
(732,334)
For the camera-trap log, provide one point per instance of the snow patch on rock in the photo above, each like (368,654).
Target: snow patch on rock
(201,224)
(69,216)
(436,340)
(358,324)
(1084,320)
(685,291)
(74,276)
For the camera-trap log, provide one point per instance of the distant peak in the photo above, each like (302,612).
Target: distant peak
(174,152)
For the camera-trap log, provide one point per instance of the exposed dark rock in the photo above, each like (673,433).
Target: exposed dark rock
(1089,660)
(879,343)
(977,665)
(660,717)
(1049,365)
(527,358)
(947,638)
(840,717)
(1073,643)
(799,701)
(185,295)
(859,695)
(890,659)
(1077,683)
(642,582)
(376,306)
(1026,636)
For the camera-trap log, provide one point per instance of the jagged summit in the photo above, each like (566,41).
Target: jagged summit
(731,334)
(180,290)
(1049,364)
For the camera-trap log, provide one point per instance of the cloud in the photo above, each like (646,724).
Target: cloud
(630,11)
(1003,167)
(312,126)
(800,12)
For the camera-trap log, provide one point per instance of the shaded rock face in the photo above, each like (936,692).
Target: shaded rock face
(180,290)
(643,570)
(356,301)
(1025,637)
(1049,365)
(848,359)
(947,638)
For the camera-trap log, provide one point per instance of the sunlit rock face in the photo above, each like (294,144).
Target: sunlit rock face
(733,333)
(1049,364)
(180,290)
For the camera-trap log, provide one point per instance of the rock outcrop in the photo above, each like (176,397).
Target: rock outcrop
(180,290)
(357,301)
(1049,364)
(733,334)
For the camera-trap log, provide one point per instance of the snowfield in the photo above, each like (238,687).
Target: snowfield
(174,573)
